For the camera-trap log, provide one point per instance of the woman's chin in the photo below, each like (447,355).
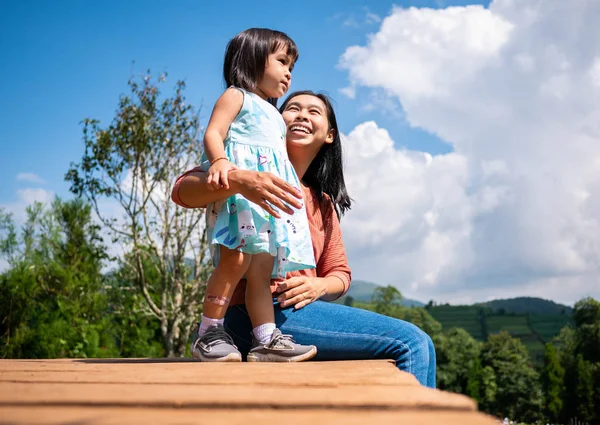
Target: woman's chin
(302,138)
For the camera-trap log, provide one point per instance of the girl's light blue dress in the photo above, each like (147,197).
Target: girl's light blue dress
(256,141)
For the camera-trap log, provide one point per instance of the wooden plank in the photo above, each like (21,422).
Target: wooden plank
(238,396)
(149,371)
(126,416)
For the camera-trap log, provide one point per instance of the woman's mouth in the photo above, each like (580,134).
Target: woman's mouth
(296,128)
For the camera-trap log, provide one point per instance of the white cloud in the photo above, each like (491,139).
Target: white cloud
(26,197)
(30,178)
(372,18)
(349,92)
(514,209)
(365,18)
(29,196)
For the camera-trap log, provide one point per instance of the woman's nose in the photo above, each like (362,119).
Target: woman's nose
(301,116)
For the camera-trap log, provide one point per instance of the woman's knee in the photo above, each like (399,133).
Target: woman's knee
(414,342)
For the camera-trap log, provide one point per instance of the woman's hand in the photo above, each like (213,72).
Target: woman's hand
(262,188)
(266,190)
(300,291)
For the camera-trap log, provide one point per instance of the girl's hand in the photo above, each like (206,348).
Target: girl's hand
(300,291)
(217,174)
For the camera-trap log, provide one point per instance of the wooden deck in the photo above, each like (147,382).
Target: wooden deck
(165,391)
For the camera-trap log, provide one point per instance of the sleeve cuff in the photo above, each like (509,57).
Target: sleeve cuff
(345,280)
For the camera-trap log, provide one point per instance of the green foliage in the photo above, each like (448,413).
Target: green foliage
(584,390)
(387,303)
(489,389)
(474,380)
(586,315)
(386,299)
(362,291)
(534,330)
(51,298)
(465,317)
(517,388)
(552,380)
(457,355)
(525,305)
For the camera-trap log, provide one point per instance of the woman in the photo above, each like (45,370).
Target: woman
(339,332)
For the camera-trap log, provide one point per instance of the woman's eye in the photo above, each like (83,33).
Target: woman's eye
(315,111)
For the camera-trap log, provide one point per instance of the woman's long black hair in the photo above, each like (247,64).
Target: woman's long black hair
(325,174)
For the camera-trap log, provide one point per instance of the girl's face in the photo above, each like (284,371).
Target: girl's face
(306,120)
(278,75)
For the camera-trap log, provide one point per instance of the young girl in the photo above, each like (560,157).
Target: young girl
(246,131)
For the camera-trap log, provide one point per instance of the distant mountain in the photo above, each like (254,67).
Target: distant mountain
(524,305)
(362,291)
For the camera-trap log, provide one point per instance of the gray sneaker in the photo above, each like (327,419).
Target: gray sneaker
(281,348)
(215,346)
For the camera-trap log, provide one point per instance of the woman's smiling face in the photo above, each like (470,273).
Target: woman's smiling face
(306,121)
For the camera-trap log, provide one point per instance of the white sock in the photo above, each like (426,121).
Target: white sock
(263,333)
(207,322)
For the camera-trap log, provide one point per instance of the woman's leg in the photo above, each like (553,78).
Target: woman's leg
(346,333)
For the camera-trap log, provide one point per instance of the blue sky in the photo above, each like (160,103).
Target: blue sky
(62,61)
(486,216)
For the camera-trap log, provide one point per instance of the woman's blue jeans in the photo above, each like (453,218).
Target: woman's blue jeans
(346,333)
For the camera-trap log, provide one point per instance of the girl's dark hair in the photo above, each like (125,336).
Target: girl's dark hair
(246,56)
(325,174)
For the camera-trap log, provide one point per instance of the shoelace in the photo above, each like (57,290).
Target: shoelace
(213,337)
(284,339)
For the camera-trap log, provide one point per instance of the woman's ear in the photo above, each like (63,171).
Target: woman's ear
(330,136)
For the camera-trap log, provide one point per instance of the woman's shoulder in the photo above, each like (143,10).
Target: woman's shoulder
(322,204)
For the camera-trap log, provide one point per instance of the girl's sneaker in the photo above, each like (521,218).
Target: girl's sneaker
(215,346)
(281,348)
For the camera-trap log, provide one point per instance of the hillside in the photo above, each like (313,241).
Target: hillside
(362,291)
(534,321)
(524,305)
(534,330)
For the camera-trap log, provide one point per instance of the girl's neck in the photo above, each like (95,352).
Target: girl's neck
(260,94)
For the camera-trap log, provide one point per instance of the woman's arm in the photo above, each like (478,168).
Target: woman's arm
(265,189)
(333,263)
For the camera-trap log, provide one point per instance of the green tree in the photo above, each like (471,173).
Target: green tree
(456,353)
(386,300)
(488,389)
(518,393)
(51,297)
(584,390)
(419,317)
(552,379)
(474,381)
(133,162)
(586,314)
